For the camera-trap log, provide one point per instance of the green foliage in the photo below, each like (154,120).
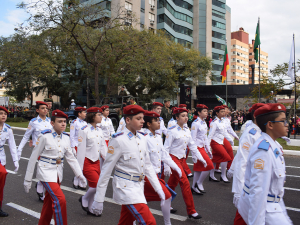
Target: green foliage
(16,120)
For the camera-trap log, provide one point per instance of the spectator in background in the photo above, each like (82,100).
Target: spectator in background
(297,125)
(122,92)
(190,116)
(235,123)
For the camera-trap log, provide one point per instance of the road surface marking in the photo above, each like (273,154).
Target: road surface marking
(293,209)
(291,189)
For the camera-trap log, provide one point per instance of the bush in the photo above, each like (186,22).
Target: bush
(17,119)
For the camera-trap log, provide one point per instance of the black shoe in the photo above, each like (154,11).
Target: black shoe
(173,211)
(196,186)
(84,208)
(75,186)
(82,188)
(221,179)
(92,214)
(3,214)
(195,217)
(210,179)
(40,195)
(189,176)
(195,192)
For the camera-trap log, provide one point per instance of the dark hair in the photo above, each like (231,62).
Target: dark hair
(198,110)
(37,106)
(177,115)
(148,119)
(128,116)
(215,112)
(262,120)
(155,106)
(54,117)
(90,117)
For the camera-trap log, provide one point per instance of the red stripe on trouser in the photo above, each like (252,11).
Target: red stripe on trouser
(199,165)
(91,171)
(151,194)
(238,220)
(48,206)
(229,150)
(128,216)
(185,165)
(219,153)
(184,185)
(107,142)
(3,174)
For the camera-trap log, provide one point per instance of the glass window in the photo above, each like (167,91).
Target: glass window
(178,40)
(142,4)
(180,29)
(152,2)
(217,67)
(128,6)
(219,25)
(218,3)
(218,46)
(218,35)
(218,14)
(183,4)
(217,56)
(151,16)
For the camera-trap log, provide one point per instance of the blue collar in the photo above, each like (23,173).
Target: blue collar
(131,135)
(55,134)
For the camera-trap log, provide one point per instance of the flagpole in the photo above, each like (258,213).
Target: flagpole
(259,62)
(295,85)
(226,80)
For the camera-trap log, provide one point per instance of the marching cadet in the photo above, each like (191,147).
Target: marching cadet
(199,135)
(106,124)
(218,138)
(91,145)
(76,125)
(6,134)
(36,125)
(128,155)
(251,134)
(122,125)
(177,140)
(183,106)
(156,107)
(52,148)
(172,122)
(158,156)
(262,200)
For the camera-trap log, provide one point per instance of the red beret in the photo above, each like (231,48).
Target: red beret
(94,110)
(80,109)
(133,110)
(58,113)
(201,106)
(250,110)
(151,114)
(4,109)
(104,107)
(269,109)
(180,110)
(256,106)
(217,108)
(182,105)
(157,103)
(41,103)
(225,106)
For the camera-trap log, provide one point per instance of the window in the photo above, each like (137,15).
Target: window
(183,4)
(152,2)
(218,25)
(128,6)
(238,81)
(218,14)
(218,35)
(217,56)
(143,4)
(218,46)
(151,16)
(162,18)
(178,40)
(218,3)
(217,67)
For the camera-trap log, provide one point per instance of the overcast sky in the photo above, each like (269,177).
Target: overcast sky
(279,20)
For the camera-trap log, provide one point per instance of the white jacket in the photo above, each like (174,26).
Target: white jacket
(199,133)
(76,125)
(162,129)
(7,134)
(218,131)
(107,127)
(122,125)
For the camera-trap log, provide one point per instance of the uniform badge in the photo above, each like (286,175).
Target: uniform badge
(246,146)
(111,150)
(79,139)
(72,128)
(193,128)
(259,164)
(167,136)
(121,122)
(29,127)
(37,141)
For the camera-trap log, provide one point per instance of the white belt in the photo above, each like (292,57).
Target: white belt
(137,178)
(270,198)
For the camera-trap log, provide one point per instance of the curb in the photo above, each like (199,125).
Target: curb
(21,128)
(285,152)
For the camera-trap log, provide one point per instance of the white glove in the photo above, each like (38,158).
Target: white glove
(195,158)
(286,139)
(97,208)
(230,173)
(27,186)
(167,171)
(208,151)
(16,166)
(82,180)
(162,196)
(237,138)
(74,151)
(236,199)
(178,170)
(19,155)
(231,142)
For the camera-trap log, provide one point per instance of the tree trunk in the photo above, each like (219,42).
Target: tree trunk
(31,99)
(97,97)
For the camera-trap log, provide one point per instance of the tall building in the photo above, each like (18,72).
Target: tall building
(242,60)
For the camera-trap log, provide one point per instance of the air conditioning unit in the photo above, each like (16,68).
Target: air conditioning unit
(129,11)
(152,7)
(151,22)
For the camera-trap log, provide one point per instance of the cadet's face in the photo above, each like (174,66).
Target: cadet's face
(157,110)
(136,123)
(226,111)
(59,125)
(183,118)
(203,113)
(221,113)
(106,112)
(43,110)
(155,125)
(278,128)
(98,118)
(3,116)
(82,115)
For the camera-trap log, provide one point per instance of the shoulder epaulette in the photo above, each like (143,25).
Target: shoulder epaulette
(214,119)
(264,144)
(172,127)
(65,133)
(34,119)
(46,131)
(82,128)
(142,133)
(253,131)
(160,118)
(7,125)
(117,134)
(157,133)
(186,127)
(73,121)
(196,120)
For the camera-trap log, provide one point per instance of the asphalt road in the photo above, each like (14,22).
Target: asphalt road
(215,206)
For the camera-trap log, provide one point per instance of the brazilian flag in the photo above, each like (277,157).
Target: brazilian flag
(256,43)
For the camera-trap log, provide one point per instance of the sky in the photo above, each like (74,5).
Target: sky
(279,20)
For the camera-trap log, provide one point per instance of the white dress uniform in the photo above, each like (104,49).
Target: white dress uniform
(128,154)
(36,125)
(199,133)
(107,128)
(245,126)
(247,140)
(162,129)
(122,125)
(7,134)
(262,200)
(218,131)
(229,128)
(76,125)
(172,122)
(157,152)
(53,149)
(91,144)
